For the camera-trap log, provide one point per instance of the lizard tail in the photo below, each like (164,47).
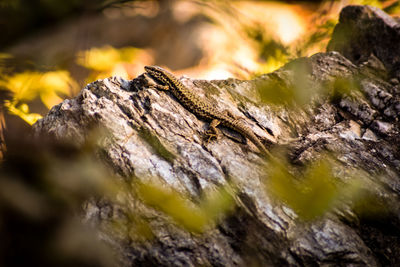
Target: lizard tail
(248,133)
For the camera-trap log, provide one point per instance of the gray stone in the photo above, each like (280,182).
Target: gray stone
(359,127)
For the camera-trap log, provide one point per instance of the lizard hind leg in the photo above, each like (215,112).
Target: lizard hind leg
(212,131)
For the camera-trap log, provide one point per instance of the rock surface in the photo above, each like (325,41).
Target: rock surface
(359,126)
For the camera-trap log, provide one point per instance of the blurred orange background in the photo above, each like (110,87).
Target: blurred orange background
(73,45)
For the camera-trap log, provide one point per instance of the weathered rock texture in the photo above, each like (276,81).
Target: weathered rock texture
(361,127)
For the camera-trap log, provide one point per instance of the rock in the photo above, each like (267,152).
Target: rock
(366,30)
(359,127)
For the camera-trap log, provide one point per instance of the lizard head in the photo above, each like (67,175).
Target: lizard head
(159,74)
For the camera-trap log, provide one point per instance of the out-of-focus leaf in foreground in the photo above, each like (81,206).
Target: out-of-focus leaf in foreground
(192,217)
(310,195)
(298,89)
(316,190)
(43,186)
(278,91)
(343,87)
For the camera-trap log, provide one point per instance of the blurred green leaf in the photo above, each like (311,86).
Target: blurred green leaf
(22,198)
(343,86)
(218,203)
(192,217)
(310,195)
(318,190)
(298,92)
(370,206)
(275,92)
(141,228)
(172,203)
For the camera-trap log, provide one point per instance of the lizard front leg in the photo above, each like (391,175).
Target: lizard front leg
(212,131)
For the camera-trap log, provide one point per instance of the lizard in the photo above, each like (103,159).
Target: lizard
(168,82)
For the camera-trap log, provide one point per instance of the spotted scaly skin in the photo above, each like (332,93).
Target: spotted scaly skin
(167,81)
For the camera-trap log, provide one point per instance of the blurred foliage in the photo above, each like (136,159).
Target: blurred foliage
(43,185)
(28,85)
(313,192)
(22,111)
(298,92)
(272,52)
(310,195)
(316,37)
(193,217)
(42,203)
(370,206)
(196,217)
(106,61)
(344,86)
(376,3)
(18,17)
(51,87)
(393,8)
